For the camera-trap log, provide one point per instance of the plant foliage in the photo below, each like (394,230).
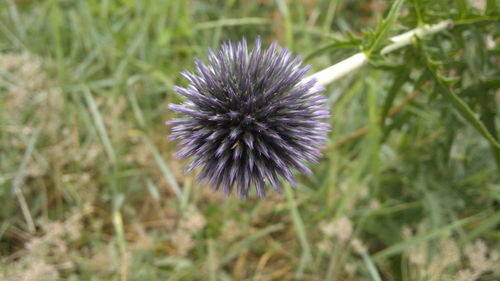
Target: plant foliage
(409,187)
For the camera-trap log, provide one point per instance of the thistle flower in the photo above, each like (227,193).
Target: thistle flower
(250,118)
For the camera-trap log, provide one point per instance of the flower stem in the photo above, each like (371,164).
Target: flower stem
(340,69)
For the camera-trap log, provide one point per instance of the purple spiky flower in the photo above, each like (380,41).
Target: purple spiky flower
(250,118)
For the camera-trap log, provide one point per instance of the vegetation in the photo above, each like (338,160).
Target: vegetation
(408,189)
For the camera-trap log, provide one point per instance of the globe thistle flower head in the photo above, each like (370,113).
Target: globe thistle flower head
(250,118)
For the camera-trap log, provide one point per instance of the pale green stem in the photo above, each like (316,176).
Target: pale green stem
(340,69)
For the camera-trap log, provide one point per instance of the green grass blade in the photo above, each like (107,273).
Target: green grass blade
(285,12)
(484,226)
(233,22)
(372,269)
(401,247)
(101,129)
(298,224)
(247,242)
(19,178)
(165,169)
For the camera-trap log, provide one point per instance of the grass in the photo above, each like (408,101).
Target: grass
(408,188)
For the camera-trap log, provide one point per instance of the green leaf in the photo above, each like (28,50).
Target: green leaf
(335,46)
(462,7)
(383,30)
(491,6)
(418,11)
(399,80)
(459,104)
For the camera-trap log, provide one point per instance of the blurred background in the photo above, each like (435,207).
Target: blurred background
(90,189)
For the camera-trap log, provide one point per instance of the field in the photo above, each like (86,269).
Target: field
(90,188)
